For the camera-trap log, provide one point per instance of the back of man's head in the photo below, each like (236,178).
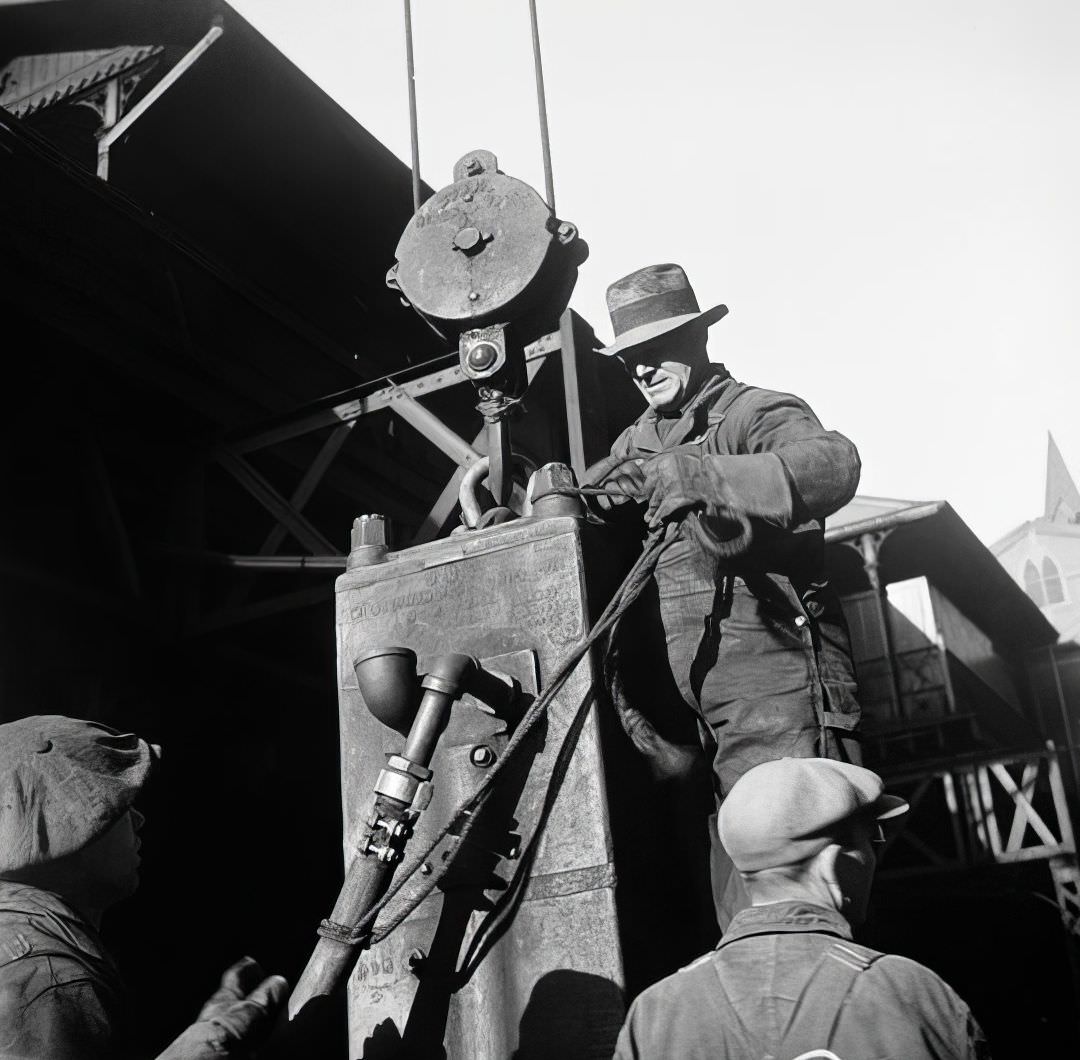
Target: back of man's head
(65,785)
(802,828)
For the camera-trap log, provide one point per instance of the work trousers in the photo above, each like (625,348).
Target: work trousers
(765,678)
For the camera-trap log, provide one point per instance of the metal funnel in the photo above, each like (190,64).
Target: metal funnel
(389,685)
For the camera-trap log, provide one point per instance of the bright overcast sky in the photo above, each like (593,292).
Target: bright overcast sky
(884,194)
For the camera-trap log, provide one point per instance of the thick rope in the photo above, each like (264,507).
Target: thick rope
(467,813)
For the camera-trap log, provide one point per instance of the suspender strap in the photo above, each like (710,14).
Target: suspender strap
(817,1012)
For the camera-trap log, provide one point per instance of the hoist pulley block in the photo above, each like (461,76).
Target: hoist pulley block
(487,249)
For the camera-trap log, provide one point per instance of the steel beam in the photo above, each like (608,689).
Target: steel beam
(572,393)
(449,375)
(435,519)
(275,503)
(433,429)
(584,420)
(306,487)
(111,135)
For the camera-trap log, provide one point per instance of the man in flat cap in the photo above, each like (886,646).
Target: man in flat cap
(755,638)
(786,981)
(69,850)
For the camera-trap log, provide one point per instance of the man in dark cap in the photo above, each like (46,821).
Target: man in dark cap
(786,981)
(69,850)
(754,636)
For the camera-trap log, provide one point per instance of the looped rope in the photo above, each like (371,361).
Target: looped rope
(331,929)
(698,523)
(462,820)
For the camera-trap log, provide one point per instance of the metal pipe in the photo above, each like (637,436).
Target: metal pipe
(286,563)
(413,134)
(257,562)
(110,136)
(541,102)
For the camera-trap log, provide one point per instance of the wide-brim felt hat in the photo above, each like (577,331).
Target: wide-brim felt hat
(785,811)
(651,302)
(63,783)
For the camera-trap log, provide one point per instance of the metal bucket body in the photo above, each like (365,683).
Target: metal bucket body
(518,949)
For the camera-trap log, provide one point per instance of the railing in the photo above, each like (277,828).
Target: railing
(1001,810)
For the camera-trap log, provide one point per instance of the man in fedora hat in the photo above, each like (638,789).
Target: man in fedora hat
(786,981)
(69,851)
(754,636)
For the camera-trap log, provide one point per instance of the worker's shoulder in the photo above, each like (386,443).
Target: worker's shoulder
(38,926)
(23,906)
(678,986)
(910,981)
(747,397)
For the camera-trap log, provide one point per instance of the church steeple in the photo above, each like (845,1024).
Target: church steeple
(1062,496)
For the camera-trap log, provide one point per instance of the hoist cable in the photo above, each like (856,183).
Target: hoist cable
(541,103)
(413,135)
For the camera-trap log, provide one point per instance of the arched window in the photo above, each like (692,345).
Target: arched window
(1033,584)
(1044,587)
(1051,580)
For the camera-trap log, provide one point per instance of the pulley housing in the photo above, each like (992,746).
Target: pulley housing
(486,250)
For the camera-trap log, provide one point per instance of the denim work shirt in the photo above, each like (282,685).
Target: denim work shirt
(758,645)
(735,1002)
(60,992)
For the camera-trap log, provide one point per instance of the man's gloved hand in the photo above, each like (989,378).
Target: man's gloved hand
(677,481)
(236,1018)
(667,760)
(619,473)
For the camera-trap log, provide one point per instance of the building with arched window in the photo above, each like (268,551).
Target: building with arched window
(1043,555)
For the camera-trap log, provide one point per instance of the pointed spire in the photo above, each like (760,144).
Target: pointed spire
(1062,496)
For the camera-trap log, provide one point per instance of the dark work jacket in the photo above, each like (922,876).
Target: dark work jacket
(735,1002)
(758,647)
(60,992)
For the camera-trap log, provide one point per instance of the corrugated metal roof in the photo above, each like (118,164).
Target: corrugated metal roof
(31,82)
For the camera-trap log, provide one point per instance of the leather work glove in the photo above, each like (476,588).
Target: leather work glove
(622,473)
(682,483)
(236,1018)
(677,481)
